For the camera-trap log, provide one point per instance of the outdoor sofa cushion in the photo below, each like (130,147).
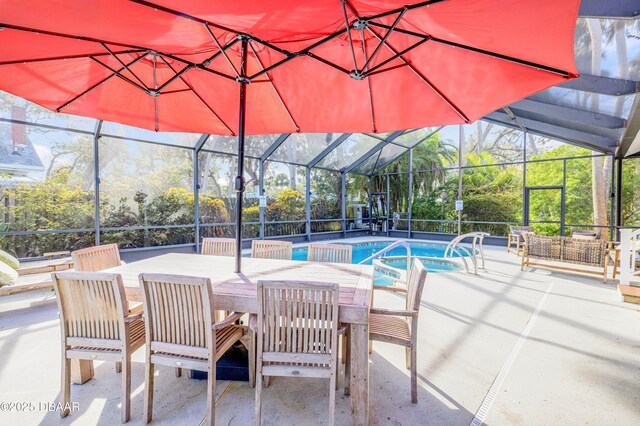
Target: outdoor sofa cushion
(8,275)
(7,259)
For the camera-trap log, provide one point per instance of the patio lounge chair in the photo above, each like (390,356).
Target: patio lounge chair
(516,238)
(271,249)
(96,324)
(219,246)
(400,327)
(297,334)
(180,331)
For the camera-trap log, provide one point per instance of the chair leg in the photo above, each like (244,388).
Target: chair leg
(65,392)
(148,395)
(509,244)
(211,393)
(178,371)
(408,353)
(118,367)
(126,388)
(258,403)
(252,359)
(347,368)
(332,396)
(414,375)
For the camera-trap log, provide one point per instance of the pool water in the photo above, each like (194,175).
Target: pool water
(430,253)
(363,250)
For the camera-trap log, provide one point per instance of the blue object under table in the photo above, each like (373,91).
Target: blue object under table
(233,365)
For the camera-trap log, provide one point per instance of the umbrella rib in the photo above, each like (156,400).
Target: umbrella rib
(370,73)
(327,62)
(198,96)
(183,15)
(275,89)
(348,29)
(95,86)
(409,7)
(60,58)
(364,52)
(119,74)
(122,63)
(384,39)
(99,41)
(424,79)
(531,64)
(155,90)
(209,108)
(69,36)
(215,40)
(376,69)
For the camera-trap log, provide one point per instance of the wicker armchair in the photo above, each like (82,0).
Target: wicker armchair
(516,237)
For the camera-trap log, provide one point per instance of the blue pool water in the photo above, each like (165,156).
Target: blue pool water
(363,250)
(430,253)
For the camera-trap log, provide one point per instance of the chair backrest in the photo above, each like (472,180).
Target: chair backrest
(272,249)
(515,229)
(92,305)
(179,313)
(335,253)
(298,317)
(415,285)
(219,246)
(586,234)
(96,258)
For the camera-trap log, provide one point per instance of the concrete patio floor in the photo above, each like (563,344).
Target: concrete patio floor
(505,347)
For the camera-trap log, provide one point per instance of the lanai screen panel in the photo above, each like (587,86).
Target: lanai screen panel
(301,148)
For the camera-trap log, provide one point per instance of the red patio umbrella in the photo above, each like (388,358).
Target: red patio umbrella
(268,66)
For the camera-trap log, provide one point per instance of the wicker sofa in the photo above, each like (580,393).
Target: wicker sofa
(576,251)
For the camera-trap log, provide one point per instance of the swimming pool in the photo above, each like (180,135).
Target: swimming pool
(361,251)
(429,253)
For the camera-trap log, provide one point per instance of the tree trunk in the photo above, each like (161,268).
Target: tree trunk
(598,189)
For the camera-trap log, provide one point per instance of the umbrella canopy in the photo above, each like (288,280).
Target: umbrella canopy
(268,66)
(159,65)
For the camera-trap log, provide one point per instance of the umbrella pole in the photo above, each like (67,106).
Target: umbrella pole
(239,183)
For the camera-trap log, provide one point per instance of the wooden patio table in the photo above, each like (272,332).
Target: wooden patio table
(237,292)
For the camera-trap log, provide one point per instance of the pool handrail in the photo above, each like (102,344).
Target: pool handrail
(477,240)
(399,243)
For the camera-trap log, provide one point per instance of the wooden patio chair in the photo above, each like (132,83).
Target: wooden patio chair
(96,324)
(96,258)
(297,334)
(516,237)
(334,253)
(181,332)
(219,246)
(400,327)
(272,249)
